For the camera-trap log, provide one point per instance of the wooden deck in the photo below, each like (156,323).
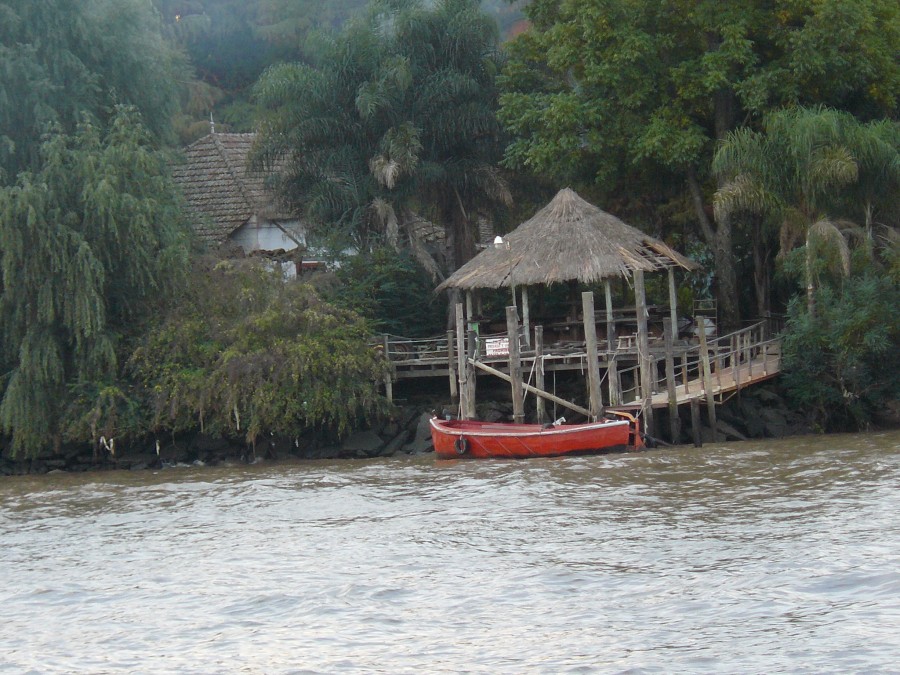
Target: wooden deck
(734,361)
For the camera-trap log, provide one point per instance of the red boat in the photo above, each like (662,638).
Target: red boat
(469,438)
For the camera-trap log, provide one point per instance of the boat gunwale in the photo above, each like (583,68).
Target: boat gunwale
(552,431)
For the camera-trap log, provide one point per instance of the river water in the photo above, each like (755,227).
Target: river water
(763,557)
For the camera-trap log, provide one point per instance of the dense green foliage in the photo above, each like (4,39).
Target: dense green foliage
(87,243)
(842,366)
(245,353)
(393,290)
(384,121)
(61,60)
(394,121)
(634,95)
(811,173)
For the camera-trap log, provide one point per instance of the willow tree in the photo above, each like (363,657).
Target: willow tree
(813,172)
(624,93)
(61,60)
(87,244)
(394,121)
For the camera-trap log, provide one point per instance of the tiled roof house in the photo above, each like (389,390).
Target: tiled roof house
(227,202)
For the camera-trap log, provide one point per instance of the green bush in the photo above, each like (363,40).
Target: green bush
(842,365)
(247,353)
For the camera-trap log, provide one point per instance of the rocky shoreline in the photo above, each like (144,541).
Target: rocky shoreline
(758,413)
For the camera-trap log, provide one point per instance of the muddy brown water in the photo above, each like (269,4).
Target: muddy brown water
(763,557)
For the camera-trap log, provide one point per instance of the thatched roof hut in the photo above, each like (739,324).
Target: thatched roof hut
(568,240)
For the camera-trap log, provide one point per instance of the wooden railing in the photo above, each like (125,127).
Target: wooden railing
(745,353)
(737,354)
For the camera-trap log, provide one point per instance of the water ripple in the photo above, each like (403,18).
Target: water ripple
(755,557)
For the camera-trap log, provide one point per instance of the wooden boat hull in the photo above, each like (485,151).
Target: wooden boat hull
(472,439)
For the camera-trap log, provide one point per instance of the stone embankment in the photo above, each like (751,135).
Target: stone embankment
(759,413)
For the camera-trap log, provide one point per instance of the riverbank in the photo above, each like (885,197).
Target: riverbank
(759,413)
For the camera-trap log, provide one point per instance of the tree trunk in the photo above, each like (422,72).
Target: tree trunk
(726,275)
(719,240)
(761,270)
(463,241)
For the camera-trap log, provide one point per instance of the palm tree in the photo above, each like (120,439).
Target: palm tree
(393,123)
(802,171)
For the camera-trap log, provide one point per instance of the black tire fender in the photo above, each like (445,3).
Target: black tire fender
(462,445)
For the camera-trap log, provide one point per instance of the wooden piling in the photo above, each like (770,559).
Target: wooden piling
(612,375)
(515,364)
(540,405)
(388,376)
(593,364)
(471,349)
(461,369)
(389,387)
(695,423)
(674,421)
(673,302)
(643,348)
(526,316)
(452,367)
(707,384)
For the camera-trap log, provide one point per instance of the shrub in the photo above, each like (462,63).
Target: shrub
(842,365)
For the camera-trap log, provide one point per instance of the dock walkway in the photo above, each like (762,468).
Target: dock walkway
(733,362)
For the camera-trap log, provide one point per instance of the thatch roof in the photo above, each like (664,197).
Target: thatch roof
(567,240)
(220,190)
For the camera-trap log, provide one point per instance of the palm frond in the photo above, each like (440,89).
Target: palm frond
(828,232)
(742,193)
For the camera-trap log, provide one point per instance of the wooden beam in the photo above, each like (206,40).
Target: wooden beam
(534,390)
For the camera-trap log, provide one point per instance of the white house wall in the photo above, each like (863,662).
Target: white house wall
(266,236)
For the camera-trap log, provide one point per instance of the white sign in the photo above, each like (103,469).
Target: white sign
(496,347)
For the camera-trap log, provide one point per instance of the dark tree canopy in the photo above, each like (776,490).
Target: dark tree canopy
(395,119)
(61,60)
